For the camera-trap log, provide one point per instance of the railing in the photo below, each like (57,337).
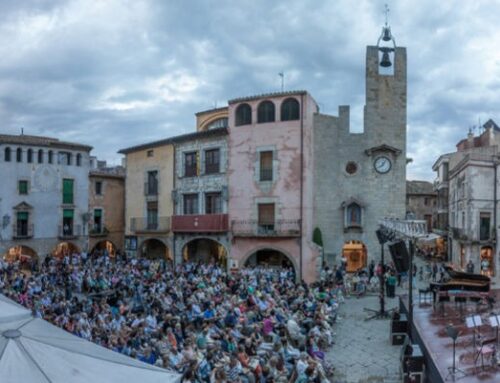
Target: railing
(23,232)
(98,232)
(458,233)
(204,223)
(68,231)
(212,168)
(266,174)
(254,228)
(190,171)
(151,188)
(143,224)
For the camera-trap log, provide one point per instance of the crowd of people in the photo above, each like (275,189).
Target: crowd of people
(258,325)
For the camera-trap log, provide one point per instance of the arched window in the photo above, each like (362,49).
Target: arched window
(266,112)
(243,114)
(30,156)
(51,157)
(19,155)
(353,215)
(7,155)
(40,156)
(78,159)
(290,110)
(219,123)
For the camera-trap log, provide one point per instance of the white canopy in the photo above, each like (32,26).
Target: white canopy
(33,350)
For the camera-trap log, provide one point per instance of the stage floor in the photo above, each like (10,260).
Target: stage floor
(431,323)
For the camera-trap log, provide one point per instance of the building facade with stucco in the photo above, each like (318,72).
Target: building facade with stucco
(44,197)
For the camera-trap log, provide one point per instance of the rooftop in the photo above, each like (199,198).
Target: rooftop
(267,95)
(24,139)
(419,187)
(176,140)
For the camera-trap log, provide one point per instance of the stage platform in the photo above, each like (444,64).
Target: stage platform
(429,332)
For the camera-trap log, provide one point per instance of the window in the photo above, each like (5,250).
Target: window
(97,221)
(212,161)
(243,115)
(266,112)
(353,215)
(152,183)
(213,203)
(98,187)
(7,155)
(150,153)
(67,229)
(191,164)
(68,191)
(30,156)
(40,156)
(290,110)
(50,157)
(22,224)
(64,158)
(266,166)
(19,155)
(484,226)
(266,217)
(152,215)
(23,187)
(219,123)
(190,203)
(426,201)
(78,159)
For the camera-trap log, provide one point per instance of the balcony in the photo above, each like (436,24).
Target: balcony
(98,231)
(69,232)
(23,232)
(145,225)
(252,228)
(204,223)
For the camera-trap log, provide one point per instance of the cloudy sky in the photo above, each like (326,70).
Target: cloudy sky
(115,73)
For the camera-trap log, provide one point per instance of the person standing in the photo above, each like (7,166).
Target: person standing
(470,267)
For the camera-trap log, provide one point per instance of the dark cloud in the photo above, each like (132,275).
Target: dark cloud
(116,73)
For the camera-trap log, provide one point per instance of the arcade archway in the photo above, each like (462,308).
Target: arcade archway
(154,249)
(103,247)
(205,250)
(356,255)
(269,257)
(65,248)
(24,254)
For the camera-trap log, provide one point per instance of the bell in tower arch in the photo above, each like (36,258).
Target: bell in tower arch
(386,60)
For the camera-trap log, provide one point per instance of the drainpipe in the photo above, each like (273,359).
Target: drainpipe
(301,182)
(174,205)
(495,168)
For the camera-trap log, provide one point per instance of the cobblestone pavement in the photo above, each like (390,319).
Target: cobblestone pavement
(362,352)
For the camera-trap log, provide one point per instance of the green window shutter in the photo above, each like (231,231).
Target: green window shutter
(22,215)
(23,187)
(97,213)
(67,191)
(68,213)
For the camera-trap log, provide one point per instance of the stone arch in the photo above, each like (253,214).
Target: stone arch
(184,248)
(154,248)
(291,259)
(65,248)
(107,245)
(24,254)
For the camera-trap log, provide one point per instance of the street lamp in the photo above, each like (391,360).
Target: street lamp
(409,230)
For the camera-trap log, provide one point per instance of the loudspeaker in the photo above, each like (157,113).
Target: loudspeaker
(380,236)
(400,257)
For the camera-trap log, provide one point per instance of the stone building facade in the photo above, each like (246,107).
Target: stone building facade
(43,196)
(360,178)
(421,202)
(200,196)
(473,192)
(106,208)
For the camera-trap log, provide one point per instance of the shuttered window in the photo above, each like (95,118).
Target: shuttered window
(266,214)
(266,166)
(68,191)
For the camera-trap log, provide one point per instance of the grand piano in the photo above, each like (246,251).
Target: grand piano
(473,285)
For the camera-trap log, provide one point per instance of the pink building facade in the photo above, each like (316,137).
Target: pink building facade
(270,178)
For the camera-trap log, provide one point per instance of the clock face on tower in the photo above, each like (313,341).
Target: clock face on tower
(382,165)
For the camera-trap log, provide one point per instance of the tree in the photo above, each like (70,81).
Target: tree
(318,237)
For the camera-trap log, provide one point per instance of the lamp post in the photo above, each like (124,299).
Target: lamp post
(409,230)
